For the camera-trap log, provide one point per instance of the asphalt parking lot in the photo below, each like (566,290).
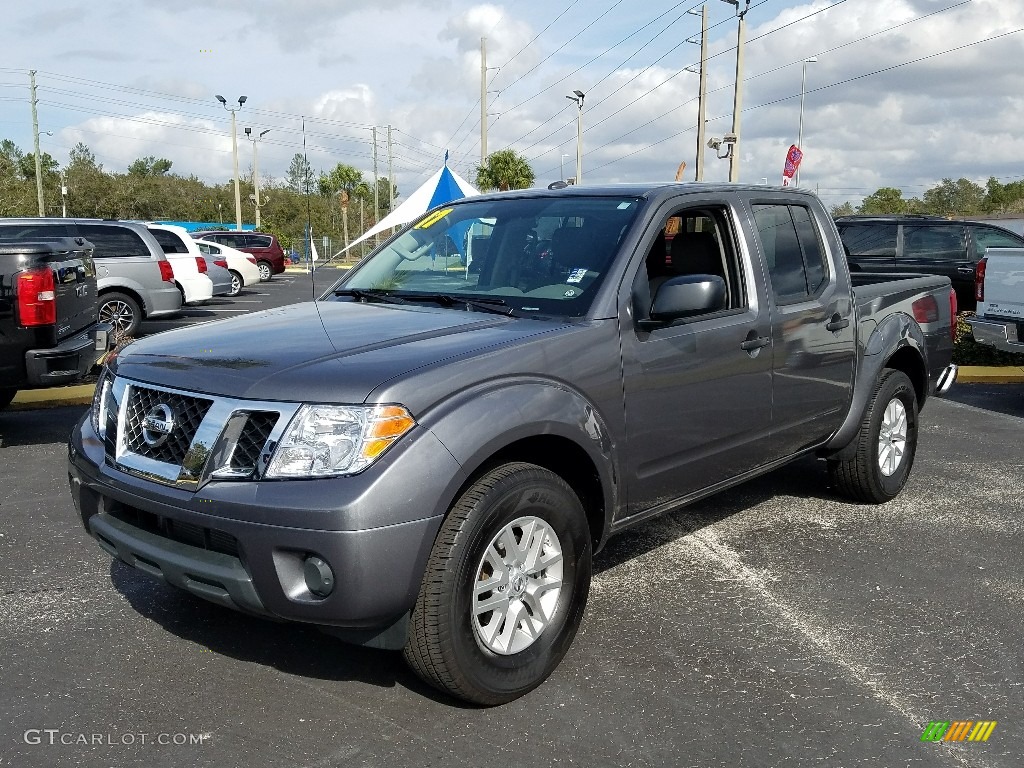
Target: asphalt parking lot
(771,625)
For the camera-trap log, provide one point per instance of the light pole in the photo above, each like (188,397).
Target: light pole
(578,98)
(561,166)
(737,99)
(800,134)
(234,152)
(256,170)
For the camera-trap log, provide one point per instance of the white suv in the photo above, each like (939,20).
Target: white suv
(187,261)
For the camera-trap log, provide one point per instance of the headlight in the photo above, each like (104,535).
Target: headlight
(99,405)
(328,440)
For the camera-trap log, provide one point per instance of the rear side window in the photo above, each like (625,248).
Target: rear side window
(113,242)
(934,243)
(990,237)
(257,241)
(28,231)
(169,241)
(869,239)
(792,249)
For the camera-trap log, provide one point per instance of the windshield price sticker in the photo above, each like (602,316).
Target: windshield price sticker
(433,218)
(576,276)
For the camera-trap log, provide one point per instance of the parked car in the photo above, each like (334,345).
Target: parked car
(426,460)
(134,278)
(241,266)
(264,246)
(999,321)
(188,262)
(220,276)
(928,245)
(49,333)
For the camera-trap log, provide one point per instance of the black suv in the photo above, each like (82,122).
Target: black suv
(928,245)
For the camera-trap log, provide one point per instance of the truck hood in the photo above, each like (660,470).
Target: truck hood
(338,354)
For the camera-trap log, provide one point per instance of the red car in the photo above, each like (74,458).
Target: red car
(268,252)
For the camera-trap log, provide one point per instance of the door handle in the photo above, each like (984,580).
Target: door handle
(837,323)
(755,343)
(965,270)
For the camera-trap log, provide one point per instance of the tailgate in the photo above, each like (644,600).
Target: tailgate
(1004,284)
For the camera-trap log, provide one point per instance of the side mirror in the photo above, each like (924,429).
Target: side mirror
(686,296)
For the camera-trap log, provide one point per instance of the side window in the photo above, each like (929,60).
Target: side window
(869,239)
(234,241)
(696,241)
(207,248)
(257,241)
(792,250)
(169,241)
(989,237)
(113,242)
(28,231)
(934,243)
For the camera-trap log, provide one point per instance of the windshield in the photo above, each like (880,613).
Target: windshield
(544,255)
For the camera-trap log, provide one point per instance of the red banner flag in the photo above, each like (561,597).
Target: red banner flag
(793,158)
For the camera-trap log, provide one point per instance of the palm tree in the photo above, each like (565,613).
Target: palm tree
(504,170)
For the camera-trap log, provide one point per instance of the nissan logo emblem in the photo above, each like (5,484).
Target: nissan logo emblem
(158,425)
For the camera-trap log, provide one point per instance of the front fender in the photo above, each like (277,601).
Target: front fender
(896,333)
(481,421)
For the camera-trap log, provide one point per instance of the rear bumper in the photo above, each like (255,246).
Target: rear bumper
(70,360)
(1002,334)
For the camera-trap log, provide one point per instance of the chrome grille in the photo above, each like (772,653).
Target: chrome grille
(188,413)
(254,436)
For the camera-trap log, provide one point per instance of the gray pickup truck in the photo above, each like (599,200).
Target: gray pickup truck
(427,457)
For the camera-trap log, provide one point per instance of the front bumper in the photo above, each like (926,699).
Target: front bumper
(1007,335)
(70,360)
(244,544)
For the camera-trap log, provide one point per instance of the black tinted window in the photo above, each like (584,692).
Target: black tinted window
(990,237)
(792,250)
(934,243)
(869,239)
(257,241)
(27,231)
(111,241)
(169,241)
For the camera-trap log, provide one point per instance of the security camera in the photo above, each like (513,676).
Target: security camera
(714,143)
(730,138)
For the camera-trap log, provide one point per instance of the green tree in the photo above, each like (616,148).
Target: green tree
(503,170)
(884,200)
(954,198)
(341,178)
(844,209)
(150,166)
(300,175)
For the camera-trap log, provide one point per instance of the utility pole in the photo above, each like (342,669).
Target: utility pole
(376,186)
(703,93)
(483,100)
(256,171)
(578,98)
(391,177)
(35,138)
(737,100)
(64,193)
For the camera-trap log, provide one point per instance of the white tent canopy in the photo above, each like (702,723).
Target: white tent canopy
(443,187)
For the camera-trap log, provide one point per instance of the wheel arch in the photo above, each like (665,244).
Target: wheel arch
(127,291)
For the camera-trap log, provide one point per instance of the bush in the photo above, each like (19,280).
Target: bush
(967,351)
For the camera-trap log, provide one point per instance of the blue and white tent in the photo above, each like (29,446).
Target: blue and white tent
(443,187)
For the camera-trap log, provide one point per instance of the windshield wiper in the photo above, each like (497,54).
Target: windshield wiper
(485,304)
(369,294)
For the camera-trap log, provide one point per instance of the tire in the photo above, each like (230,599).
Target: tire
(121,311)
(477,655)
(236,284)
(6,396)
(886,444)
(266,271)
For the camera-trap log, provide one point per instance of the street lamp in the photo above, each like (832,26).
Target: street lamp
(256,170)
(578,98)
(737,99)
(800,134)
(234,152)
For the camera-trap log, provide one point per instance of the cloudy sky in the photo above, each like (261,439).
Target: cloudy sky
(903,93)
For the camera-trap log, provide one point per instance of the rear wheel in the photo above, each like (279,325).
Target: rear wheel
(236,284)
(6,396)
(121,311)
(885,445)
(266,270)
(505,587)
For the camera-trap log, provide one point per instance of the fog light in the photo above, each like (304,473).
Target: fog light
(319,576)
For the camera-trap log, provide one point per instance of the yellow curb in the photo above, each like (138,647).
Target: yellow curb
(54,397)
(990,374)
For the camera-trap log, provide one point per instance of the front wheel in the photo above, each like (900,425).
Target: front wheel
(266,271)
(505,587)
(885,445)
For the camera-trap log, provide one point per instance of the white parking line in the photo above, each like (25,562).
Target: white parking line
(217,310)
